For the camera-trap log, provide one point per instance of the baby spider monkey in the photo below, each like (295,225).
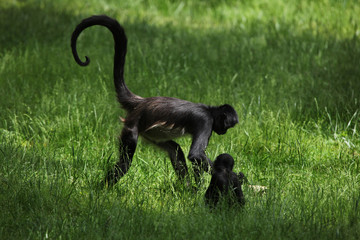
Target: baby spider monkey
(225,184)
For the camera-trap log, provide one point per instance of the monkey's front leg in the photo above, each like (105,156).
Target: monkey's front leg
(197,154)
(127,147)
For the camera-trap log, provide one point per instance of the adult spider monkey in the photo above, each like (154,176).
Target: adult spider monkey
(157,119)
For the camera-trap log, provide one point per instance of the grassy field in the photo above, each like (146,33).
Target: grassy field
(290,68)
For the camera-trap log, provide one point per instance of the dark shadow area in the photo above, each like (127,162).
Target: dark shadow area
(304,73)
(21,25)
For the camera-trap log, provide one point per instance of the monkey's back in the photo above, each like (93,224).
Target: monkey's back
(164,118)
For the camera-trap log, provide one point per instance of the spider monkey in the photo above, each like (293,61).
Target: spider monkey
(225,183)
(157,119)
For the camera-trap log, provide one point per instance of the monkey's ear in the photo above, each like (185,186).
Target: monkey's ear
(227,121)
(219,126)
(222,120)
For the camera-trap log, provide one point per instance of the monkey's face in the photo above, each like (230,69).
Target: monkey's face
(224,161)
(227,118)
(220,131)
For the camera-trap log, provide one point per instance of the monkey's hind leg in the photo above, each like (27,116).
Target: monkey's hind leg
(177,157)
(127,147)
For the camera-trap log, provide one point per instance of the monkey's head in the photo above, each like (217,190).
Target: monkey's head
(224,161)
(225,117)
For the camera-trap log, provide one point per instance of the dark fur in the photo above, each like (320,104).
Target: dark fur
(158,119)
(225,184)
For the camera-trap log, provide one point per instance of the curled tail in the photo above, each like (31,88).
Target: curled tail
(126,98)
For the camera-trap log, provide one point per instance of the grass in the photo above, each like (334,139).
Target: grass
(290,68)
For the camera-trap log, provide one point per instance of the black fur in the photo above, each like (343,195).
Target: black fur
(158,119)
(225,184)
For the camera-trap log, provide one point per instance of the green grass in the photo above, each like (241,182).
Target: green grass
(290,68)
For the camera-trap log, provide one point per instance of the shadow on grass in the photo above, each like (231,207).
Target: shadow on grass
(21,25)
(304,73)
